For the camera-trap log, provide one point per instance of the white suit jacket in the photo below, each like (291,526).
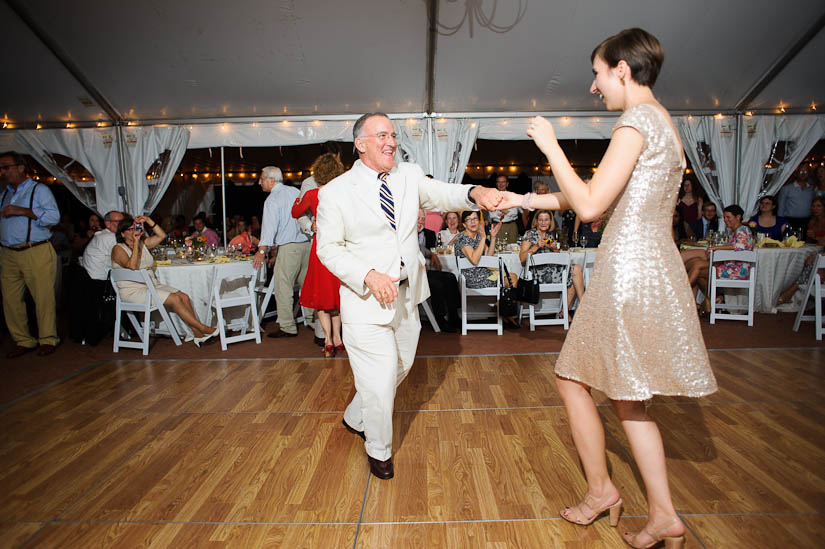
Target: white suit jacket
(354,236)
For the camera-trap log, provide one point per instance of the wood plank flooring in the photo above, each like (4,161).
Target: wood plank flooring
(251,453)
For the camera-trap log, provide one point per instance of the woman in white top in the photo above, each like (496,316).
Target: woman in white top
(449,234)
(132,252)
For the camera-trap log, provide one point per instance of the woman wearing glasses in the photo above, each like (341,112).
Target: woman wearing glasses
(132,252)
(767,221)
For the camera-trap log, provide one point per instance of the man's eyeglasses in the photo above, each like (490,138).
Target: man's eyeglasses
(382,136)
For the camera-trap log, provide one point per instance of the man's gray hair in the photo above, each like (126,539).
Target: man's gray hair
(272,172)
(109,214)
(359,124)
(540,182)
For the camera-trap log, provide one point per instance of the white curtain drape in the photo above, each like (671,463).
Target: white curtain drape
(716,173)
(413,141)
(142,148)
(452,142)
(96,149)
(760,135)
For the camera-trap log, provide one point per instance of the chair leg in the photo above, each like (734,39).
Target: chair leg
(118,314)
(712,296)
(463,311)
(818,307)
(532,314)
(801,313)
(146,331)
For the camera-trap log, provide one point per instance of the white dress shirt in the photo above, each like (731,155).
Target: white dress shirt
(97,258)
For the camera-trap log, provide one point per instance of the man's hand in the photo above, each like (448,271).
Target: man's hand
(486,198)
(11,211)
(382,286)
(259,259)
(510,200)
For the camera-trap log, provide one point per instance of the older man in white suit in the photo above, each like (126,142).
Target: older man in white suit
(367,236)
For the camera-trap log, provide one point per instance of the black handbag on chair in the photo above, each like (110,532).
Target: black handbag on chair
(527,290)
(507,304)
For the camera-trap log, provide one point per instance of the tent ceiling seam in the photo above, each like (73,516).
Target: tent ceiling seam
(778,65)
(64,59)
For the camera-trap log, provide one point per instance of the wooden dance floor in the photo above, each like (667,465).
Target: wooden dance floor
(251,453)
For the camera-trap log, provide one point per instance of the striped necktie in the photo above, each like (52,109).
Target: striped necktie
(385,198)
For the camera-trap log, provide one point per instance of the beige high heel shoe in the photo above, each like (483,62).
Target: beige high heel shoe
(614,511)
(659,540)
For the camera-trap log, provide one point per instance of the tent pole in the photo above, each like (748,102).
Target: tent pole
(432,146)
(738,157)
(124,195)
(223,198)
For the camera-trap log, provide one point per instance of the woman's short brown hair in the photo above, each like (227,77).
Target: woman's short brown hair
(640,50)
(535,222)
(122,225)
(326,168)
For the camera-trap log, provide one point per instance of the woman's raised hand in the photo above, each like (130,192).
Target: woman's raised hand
(494,229)
(541,131)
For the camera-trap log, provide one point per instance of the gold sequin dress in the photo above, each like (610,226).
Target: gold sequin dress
(636,332)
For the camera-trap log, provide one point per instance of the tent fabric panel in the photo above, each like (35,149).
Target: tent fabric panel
(205,58)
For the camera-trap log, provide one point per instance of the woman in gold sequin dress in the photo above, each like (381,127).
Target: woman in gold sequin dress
(636,333)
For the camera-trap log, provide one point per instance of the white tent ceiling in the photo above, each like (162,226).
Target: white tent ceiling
(156,61)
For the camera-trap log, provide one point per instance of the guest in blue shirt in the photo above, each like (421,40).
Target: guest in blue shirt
(767,221)
(795,199)
(27,213)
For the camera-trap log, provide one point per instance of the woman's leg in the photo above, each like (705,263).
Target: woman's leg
(588,436)
(336,327)
(578,282)
(326,324)
(649,453)
(179,302)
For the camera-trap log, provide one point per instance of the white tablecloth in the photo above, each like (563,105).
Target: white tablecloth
(448,263)
(195,280)
(776,269)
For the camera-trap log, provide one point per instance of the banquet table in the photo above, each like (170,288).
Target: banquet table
(195,280)
(577,255)
(776,269)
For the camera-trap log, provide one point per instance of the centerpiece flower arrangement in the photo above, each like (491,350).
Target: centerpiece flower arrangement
(197,242)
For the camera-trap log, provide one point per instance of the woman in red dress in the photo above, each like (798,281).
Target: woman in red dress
(320,288)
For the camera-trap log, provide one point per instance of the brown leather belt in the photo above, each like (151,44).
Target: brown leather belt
(25,246)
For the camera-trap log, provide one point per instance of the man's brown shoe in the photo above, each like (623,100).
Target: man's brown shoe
(381,469)
(46,350)
(19,351)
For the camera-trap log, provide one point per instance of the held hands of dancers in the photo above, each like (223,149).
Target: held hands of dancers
(486,198)
(382,286)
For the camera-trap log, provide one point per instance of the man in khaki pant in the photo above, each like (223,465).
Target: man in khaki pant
(281,231)
(27,213)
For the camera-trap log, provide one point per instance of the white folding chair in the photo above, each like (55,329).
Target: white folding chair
(814,287)
(556,301)
(589,263)
(231,276)
(428,311)
(266,292)
(489,294)
(748,284)
(151,304)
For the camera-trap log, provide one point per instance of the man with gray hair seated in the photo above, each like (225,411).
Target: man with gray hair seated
(281,232)
(91,318)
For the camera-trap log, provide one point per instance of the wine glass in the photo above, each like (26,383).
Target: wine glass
(583,241)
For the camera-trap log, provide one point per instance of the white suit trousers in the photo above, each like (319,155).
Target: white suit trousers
(380,356)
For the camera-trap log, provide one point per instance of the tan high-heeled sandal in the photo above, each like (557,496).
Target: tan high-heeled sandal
(669,542)
(614,511)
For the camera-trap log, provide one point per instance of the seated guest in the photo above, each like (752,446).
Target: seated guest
(444,292)
(179,229)
(451,229)
(804,278)
(741,239)
(539,187)
(132,252)
(471,243)
(537,241)
(819,182)
(89,318)
(708,222)
(588,234)
(767,221)
(680,229)
(816,225)
(201,229)
(243,241)
(255,226)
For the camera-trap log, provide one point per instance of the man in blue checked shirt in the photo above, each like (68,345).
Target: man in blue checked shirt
(27,213)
